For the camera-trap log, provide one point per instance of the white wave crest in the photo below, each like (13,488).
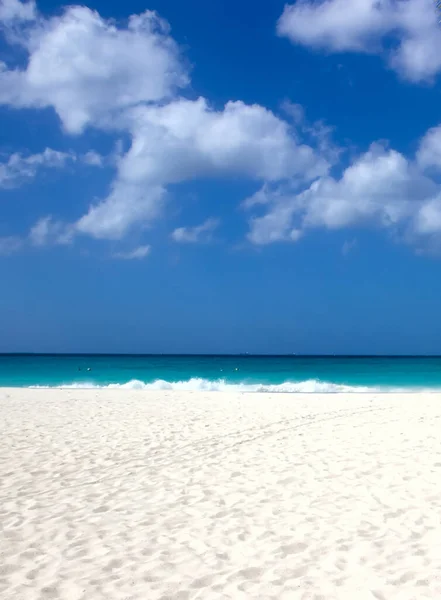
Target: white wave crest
(220,385)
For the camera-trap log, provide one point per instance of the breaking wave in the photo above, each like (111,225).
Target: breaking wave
(220,385)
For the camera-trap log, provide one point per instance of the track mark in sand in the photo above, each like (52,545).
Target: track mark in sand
(294,548)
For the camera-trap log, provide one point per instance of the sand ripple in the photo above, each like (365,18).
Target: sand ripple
(129,495)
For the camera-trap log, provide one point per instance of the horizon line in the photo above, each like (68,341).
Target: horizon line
(216,355)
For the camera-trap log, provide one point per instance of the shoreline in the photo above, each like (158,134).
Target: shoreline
(125,389)
(117,493)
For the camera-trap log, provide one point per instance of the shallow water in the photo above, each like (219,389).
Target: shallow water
(236,373)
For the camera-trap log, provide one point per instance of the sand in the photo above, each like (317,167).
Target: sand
(130,495)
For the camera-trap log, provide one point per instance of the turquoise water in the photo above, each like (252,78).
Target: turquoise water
(238,373)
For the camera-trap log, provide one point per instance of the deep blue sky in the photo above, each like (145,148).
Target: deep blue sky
(356,288)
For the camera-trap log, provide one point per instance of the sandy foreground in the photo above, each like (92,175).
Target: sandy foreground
(130,495)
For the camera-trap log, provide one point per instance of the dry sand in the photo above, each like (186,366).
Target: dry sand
(129,495)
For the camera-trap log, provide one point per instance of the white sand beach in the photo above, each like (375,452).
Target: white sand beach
(131,495)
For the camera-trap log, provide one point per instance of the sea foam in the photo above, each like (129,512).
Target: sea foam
(220,385)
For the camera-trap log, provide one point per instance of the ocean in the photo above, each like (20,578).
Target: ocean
(243,373)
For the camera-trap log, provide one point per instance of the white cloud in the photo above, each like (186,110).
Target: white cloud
(428,217)
(128,203)
(93,159)
(429,151)
(49,231)
(200,233)
(137,253)
(188,139)
(88,68)
(10,245)
(368,26)
(380,189)
(248,140)
(19,168)
(13,11)
(276,225)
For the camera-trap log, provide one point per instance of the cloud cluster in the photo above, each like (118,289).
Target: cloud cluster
(381,188)
(96,73)
(85,67)
(128,79)
(406,32)
(187,139)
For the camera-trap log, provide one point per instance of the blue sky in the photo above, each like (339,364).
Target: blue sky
(220,177)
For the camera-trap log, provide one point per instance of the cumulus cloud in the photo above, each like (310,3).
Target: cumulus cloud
(187,139)
(19,168)
(88,68)
(137,253)
(193,235)
(369,26)
(382,188)
(94,72)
